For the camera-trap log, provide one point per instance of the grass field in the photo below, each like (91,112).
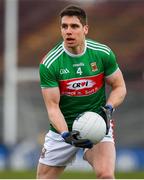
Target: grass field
(67,175)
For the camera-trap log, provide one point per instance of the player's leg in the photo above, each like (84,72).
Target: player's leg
(48,172)
(55,156)
(102,158)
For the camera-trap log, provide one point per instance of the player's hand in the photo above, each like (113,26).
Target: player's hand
(74,139)
(107,111)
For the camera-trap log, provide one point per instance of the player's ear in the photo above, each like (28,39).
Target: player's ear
(86,29)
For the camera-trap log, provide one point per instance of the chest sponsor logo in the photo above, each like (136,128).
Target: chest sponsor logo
(81,86)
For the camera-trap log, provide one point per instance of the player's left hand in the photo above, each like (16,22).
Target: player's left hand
(74,139)
(107,111)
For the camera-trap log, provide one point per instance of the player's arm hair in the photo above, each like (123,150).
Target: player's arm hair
(118,92)
(51,98)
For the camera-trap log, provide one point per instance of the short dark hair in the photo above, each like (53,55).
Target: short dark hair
(73,10)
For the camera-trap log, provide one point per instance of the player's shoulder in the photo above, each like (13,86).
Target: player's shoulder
(97,46)
(52,55)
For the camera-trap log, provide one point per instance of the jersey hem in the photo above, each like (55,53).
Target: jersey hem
(44,87)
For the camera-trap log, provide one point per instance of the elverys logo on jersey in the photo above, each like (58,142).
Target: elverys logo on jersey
(81,86)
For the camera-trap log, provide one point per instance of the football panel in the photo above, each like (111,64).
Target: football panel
(91,126)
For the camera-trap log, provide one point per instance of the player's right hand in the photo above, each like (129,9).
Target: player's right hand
(74,139)
(107,111)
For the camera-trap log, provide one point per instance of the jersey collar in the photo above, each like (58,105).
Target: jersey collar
(74,55)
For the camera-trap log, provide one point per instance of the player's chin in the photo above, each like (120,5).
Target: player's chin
(70,45)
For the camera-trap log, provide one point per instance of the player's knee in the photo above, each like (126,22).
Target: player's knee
(41,172)
(104,175)
(40,175)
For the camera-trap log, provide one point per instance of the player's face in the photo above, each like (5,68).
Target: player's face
(73,32)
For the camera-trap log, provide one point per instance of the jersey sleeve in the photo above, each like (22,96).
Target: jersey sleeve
(110,64)
(47,77)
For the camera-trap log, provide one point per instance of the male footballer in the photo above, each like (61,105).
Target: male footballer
(73,77)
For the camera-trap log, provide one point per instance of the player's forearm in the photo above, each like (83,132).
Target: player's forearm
(57,120)
(117,96)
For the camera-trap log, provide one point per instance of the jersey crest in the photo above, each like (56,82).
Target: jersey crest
(94,66)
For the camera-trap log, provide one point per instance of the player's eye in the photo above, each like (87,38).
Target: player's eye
(64,26)
(74,26)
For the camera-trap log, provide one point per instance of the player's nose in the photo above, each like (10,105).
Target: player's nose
(69,30)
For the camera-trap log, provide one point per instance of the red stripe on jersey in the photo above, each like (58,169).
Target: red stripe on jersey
(84,86)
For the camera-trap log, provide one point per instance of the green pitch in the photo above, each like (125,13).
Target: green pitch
(67,175)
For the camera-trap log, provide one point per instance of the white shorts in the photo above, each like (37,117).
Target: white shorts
(56,152)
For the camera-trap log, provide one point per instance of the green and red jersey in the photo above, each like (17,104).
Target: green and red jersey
(81,78)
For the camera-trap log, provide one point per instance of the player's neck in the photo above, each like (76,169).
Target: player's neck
(76,49)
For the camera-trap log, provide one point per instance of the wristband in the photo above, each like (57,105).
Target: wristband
(65,134)
(108,106)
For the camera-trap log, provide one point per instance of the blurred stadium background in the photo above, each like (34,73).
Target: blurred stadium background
(28,29)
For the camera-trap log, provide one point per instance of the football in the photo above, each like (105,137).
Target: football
(91,126)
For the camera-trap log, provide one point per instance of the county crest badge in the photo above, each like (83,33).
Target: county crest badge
(94,66)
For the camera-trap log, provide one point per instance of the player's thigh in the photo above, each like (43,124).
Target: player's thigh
(102,157)
(49,172)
